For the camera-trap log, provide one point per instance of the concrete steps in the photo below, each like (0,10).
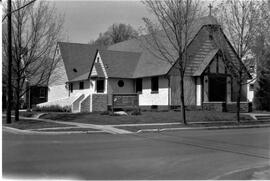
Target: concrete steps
(263,117)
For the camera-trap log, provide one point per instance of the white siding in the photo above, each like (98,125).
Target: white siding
(59,75)
(57,92)
(250,93)
(198,92)
(160,98)
(76,87)
(146,98)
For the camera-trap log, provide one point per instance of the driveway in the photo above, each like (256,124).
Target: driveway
(193,154)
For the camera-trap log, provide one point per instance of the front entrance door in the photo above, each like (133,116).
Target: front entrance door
(217,88)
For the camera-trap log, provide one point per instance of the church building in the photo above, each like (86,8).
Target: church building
(87,77)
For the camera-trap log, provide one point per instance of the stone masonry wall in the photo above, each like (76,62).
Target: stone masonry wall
(229,107)
(244,107)
(85,104)
(99,102)
(214,106)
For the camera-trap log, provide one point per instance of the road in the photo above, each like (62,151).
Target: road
(197,154)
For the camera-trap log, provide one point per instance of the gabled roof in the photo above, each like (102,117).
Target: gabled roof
(78,59)
(131,58)
(99,71)
(150,64)
(119,64)
(205,62)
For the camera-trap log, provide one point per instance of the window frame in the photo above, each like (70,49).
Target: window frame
(81,85)
(154,88)
(136,85)
(97,89)
(70,87)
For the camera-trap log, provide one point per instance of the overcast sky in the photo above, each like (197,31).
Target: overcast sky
(84,20)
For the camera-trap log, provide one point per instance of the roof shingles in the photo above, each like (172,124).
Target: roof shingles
(78,59)
(131,59)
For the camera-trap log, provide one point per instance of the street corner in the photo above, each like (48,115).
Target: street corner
(261,172)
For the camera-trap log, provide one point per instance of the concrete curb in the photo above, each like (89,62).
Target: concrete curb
(30,132)
(239,171)
(16,131)
(204,128)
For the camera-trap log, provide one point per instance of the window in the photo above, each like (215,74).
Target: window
(42,92)
(100,86)
(81,85)
(154,84)
(71,87)
(121,83)
(138,85)
(251,87)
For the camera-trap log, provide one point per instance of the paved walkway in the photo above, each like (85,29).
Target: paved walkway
(255,115)
(105,128)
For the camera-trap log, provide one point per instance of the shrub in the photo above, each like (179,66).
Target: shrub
(105,113)
(113,114)
(27,114)
(53,108)
(136,112)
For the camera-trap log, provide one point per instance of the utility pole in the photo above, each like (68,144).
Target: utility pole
(9,102)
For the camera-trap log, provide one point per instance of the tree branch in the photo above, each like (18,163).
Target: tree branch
(18,9)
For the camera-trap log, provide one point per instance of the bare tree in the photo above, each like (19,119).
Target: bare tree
(241,21)
(116,33)
(261,49)
(168,38)
(35,31)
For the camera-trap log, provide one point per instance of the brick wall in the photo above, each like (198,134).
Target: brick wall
(99,102)
(244,107)
(215,106)
(85,104)
(229,107)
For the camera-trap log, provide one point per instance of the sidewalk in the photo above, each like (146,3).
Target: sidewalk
(131,128)
(105,128)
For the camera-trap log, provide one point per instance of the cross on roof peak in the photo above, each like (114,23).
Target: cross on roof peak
(210,9)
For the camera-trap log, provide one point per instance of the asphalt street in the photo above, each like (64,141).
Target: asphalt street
(194,154)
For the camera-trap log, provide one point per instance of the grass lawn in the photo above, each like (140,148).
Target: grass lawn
(137,128)
(146,117)
(31,124)
(261,112)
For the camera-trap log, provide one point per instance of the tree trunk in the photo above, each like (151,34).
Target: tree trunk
(238,102)
(9,90)
(182,99)
(17,108)
(28,96)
